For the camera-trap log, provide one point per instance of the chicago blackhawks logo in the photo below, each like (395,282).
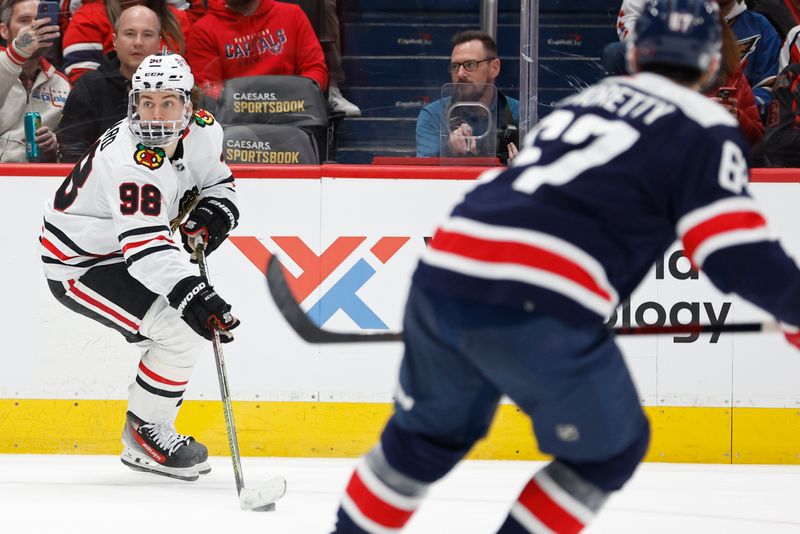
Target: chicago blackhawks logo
(150,157)
(203,118)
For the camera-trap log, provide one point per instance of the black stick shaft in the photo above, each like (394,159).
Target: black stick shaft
(310,332)
(224,388)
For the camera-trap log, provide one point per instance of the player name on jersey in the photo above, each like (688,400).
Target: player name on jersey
(623,102)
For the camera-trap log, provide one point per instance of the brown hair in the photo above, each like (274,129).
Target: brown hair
(170,27)
(6,10)
(730,61)
(489,45)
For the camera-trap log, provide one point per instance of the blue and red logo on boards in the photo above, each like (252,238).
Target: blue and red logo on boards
(317,268)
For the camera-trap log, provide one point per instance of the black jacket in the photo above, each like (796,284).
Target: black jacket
(781,144)
(98,100)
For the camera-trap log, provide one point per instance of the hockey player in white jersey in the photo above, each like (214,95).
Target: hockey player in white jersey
(110,251)
(512,294)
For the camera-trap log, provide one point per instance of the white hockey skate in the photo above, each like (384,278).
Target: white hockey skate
(158,448)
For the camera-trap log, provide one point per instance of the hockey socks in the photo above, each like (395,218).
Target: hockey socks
(556,500)
(378,498)
(158,390)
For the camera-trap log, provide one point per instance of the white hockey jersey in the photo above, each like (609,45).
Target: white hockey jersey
(123,202)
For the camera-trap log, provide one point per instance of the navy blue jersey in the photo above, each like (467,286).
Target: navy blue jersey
(604,185)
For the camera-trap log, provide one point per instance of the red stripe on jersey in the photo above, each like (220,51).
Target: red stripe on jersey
(517,253)
(375,508)
(46,243)
(159,378)
(80,294)
(726,222)
(548,511)
(57,253)
(140,243)
(15,56)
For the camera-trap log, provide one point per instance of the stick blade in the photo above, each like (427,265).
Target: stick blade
(263,497)
(299,321)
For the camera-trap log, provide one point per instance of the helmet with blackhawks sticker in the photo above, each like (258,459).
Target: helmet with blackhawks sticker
(159,104)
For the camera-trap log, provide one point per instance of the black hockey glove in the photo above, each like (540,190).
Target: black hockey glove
(211,220)
(202,309)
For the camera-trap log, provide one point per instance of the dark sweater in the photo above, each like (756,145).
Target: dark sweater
(98,100)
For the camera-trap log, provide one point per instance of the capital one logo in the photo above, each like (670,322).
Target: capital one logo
(317,268)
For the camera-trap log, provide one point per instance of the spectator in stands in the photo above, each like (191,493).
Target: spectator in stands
(740,102)
(473,61)
(100,97)
(27,81)
(782,139)
(88,37)
(777,12)
(759,45)
(331,47)
(790,51)
(613,56)
(239,38)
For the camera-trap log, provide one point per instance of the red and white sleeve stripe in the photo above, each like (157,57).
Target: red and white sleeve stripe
(517,254)
(374,506)
(790,51)
(13,54)
(721,224)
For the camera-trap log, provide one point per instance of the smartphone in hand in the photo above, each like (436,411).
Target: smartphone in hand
(725,93)
(48,9)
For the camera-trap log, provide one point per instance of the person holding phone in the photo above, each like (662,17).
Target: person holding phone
(28,82)
(733,91)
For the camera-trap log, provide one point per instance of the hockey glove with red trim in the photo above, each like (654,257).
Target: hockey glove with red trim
(210,221)
(202,309)
(792,334)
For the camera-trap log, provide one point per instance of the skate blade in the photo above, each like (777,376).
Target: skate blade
(203,468)
(145,465)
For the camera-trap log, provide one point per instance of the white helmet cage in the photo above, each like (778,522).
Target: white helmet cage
(160,73)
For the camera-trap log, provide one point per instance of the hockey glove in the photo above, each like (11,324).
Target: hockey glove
(210,221)
(202,309)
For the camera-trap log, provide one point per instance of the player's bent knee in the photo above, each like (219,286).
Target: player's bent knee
(418,456)
(611,474)
(173,341)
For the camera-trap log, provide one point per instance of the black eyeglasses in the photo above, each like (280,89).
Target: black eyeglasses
(469,66)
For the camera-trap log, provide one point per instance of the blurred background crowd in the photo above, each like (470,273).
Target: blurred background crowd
(349,81)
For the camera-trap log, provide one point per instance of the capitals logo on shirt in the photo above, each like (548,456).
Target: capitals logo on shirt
(747,46)
(150,157)
(256,44)
(203,118)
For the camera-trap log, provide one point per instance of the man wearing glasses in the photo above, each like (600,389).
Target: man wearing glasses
(473,61)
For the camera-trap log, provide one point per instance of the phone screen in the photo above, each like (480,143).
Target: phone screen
(724,93)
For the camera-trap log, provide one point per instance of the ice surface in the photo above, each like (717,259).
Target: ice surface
(97,494)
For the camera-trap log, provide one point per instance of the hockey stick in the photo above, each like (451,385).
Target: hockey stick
(262,499)
(308,331)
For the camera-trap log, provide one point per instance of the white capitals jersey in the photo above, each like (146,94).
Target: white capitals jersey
(123,201)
